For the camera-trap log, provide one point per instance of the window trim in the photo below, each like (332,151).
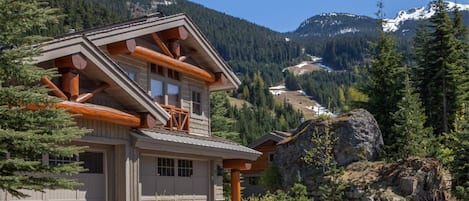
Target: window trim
(193,112)
(160,169)
(166,81)
(185,171)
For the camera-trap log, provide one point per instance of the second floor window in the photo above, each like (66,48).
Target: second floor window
(173,95)
(196,103)
(156,90)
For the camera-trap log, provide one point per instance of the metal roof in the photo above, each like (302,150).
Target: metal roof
(212,146)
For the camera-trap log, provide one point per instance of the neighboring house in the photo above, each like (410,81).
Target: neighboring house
(266,144)
(143,87)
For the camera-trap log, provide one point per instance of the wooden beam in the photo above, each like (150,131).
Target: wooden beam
(57,92)
(122,47)
(70,84)
(178,33)
(220,80)
(236,164)
(147,121)
(95,112)
(161,45)
(100,113)
(85,97)
(171,63)
(175,48)
(74,61)
(235,185)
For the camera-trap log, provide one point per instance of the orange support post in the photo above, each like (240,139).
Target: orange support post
(235,185)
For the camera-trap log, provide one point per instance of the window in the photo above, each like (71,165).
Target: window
(173,95)
(173,74)
(156,90)
(92,162)
(196,103)
(271,157)
(165,167)
(59,160)
(184,168)
(156,69)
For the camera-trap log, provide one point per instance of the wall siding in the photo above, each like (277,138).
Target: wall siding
(103,129)
(199,124)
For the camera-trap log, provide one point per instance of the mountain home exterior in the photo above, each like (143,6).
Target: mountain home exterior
(143,87)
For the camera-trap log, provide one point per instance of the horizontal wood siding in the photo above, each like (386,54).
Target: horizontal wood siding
(261,164)
(199,124)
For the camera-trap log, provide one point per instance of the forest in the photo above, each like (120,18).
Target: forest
(418,94)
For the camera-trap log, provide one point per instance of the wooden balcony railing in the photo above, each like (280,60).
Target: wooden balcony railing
(179,120)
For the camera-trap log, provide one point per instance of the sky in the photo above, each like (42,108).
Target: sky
(287,15)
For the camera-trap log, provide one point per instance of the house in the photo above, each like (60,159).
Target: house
(143,87)
(266,145)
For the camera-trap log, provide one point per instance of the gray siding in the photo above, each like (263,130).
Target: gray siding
(199,124)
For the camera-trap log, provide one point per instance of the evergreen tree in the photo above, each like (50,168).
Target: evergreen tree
(443,79)
(27,135)
(411,137)
(460,166)
(383,84)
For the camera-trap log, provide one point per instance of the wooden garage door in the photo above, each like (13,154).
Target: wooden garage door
(173,178)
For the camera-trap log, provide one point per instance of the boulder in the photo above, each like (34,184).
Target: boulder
(358,138)
(417,179)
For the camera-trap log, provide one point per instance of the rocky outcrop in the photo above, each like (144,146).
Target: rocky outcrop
(417,179)
(358,137)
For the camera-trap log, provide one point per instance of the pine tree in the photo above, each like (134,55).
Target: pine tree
(443,82)
(383,84)
(27,135)
(411,137)
(460,164)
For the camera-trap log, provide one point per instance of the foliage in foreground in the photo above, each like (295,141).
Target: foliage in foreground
(28,135)
(297,193)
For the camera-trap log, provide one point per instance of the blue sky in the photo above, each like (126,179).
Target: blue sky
(286,15)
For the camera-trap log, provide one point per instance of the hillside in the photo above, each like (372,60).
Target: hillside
(247,47)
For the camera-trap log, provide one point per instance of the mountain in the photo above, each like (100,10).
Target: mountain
(334,24)
(405,18)
(342,39)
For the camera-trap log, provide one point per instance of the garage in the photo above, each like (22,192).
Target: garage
(93,180)
(174,178)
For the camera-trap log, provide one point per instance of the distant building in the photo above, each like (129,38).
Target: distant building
(266,144)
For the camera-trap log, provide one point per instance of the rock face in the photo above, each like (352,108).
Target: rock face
(417,179)
(358,137)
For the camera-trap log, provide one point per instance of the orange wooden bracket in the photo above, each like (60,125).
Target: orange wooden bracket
(145,54)
(178,33)
(161,45)
(85,97)
(236,164)
(74,61)
(57,92)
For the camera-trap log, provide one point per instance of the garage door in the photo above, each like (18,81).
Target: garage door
(93,180)
(174,178)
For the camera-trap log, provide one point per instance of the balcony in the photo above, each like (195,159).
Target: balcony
(179,119)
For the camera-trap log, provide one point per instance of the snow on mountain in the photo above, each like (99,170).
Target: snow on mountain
(392,25)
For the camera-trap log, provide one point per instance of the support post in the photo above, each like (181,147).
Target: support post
(70,83)
(235,185)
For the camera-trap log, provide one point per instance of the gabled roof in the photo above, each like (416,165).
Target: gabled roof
(88,42)
(105,69)
(275,136)
(205,55)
